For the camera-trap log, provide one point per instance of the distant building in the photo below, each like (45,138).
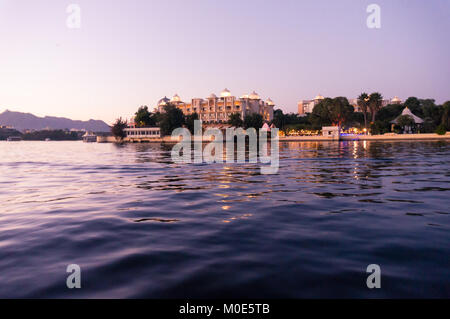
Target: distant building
(307,106)
(215,109)
(396,100)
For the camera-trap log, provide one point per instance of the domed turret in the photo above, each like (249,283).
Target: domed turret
(396,100)
(254,96)
(225,93)
(270,102)
(163,101)
(213,96)
(319,97)
(176,99)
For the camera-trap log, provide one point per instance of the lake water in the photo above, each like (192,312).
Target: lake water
(139,225)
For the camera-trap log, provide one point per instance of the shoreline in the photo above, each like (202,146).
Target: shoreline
(384,137)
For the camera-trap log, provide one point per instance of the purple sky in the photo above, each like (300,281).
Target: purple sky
(130,53)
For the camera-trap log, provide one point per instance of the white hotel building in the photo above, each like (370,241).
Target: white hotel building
(215,109)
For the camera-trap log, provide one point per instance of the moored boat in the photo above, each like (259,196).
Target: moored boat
(14,139)
(89,137)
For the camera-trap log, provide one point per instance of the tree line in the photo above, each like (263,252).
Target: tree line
(42,135)
(373,116)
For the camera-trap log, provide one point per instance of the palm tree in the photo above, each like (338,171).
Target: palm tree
(375,103)
(363,103)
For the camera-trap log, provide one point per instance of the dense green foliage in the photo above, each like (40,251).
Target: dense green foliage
(54,135)
(144,118)
(7,132)
(189,121)
(254,120)
(235,120)
(335,111)
(441,129)
(171,119)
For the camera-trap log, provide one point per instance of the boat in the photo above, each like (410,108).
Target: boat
(14,139)
(89,137)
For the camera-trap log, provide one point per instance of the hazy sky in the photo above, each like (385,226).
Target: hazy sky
(130,53)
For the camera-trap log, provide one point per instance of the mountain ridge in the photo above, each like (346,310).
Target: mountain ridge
(28,121)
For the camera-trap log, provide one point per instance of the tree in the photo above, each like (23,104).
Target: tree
(446,115)
(375,103)
(143,117)
(189,120)
(335,111)
(363,103)
(414,105)
(254,120)
(441,130)
(321,113)
(156,118)
(235,120)
(171,119)
(340,111)
(118,129)
(279,119)
(404,121)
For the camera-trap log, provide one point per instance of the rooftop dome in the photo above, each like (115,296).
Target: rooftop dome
(176,98)
(225,93)
(254,96)
(269,102)
(396,99)
(212,96)
(163,101)
(319,97)
(245,96)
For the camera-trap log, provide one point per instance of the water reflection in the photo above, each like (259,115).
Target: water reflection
(129,212)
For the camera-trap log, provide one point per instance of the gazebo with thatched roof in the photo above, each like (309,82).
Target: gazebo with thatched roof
(407,112)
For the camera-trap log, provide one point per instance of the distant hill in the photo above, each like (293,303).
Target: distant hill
(22,121)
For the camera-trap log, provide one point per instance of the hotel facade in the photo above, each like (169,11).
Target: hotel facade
(307,106)
(214,109)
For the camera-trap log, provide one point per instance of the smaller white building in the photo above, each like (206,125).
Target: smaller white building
(331,131)
(142,132)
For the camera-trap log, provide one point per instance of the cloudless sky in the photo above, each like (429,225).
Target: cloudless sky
(132,53)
